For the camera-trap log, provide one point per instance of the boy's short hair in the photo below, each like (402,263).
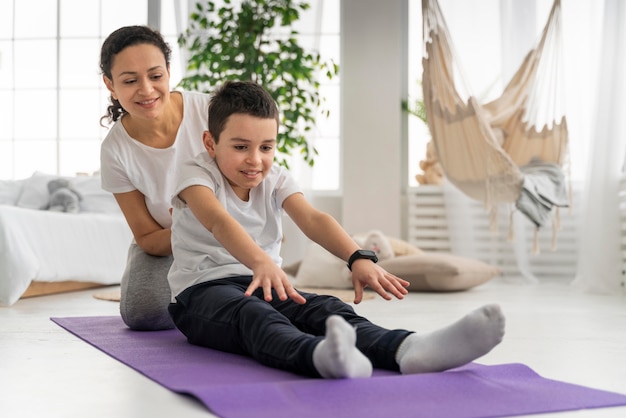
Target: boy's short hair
(239,97)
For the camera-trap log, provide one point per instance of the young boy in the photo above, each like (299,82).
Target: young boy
(230,292)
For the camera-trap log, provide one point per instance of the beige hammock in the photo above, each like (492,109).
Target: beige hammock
(482,148)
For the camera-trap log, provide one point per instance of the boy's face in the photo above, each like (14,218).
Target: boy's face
(245,151)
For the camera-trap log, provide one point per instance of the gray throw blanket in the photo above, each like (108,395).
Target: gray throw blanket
(543,187)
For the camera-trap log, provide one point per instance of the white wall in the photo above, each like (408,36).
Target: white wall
(373,83)
(294,242)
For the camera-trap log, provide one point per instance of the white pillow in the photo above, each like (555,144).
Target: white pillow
(95,198)
(319,268)
(35,191)
(10,191)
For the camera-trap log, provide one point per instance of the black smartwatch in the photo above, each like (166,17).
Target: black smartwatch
(362,254)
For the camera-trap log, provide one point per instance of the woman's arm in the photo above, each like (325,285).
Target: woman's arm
(323,229)
(151,237)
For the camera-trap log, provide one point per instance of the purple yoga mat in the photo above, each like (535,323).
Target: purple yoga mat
(236,386)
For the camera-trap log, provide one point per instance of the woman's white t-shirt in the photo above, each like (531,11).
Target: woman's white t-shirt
(127,164)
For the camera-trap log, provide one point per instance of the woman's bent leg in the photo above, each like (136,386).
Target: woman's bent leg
(145,291)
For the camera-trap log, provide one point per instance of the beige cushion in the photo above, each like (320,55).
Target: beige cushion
(398,246)
(401,247)
(425,271)
(319,268)
(292,269)
(440,272)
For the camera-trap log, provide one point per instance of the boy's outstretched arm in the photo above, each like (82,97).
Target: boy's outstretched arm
(236,240)
(326,231)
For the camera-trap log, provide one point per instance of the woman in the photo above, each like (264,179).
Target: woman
(154,130)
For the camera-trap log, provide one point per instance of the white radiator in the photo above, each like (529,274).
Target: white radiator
(428,230)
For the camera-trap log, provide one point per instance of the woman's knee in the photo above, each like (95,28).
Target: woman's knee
(145,308)
(146,317)
(145,291)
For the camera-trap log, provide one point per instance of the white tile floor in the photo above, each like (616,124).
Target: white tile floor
(558,331)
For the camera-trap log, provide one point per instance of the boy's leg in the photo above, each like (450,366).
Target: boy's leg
(378,344)
(455,345)
(336,356)
(218,315)
(467,339)
(145,291)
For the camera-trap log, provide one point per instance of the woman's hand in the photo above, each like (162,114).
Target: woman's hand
(365,273)
(268,276)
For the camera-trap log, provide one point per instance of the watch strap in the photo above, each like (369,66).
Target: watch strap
(362,255)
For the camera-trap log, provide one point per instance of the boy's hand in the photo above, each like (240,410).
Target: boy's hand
(270,276)
(365,273)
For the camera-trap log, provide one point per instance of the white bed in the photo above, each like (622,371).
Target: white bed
(43,247)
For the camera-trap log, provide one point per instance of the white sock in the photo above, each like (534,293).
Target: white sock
(336,356)
(455,345)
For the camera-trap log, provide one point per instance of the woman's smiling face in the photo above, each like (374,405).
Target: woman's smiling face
(140,80)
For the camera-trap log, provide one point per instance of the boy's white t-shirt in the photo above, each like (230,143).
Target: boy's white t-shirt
(127,164)
(198,256)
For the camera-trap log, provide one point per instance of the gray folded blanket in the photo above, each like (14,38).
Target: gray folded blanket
(543,188)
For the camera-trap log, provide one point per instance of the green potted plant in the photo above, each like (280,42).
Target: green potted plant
(415,107)
(254,40)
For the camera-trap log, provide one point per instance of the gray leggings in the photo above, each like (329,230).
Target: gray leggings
(145,291)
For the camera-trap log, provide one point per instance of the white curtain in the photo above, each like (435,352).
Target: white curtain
(520,29)
(181,12)
(595,77)
(467,221)
(599,267)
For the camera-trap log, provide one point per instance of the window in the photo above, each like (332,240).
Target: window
(319,30)
(52,96)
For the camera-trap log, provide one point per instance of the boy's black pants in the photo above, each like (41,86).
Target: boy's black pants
(280,334)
